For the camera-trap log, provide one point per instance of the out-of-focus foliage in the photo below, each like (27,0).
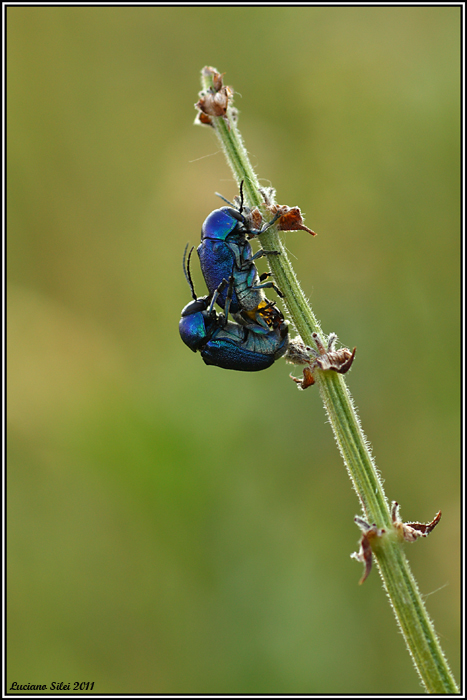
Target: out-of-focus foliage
(177,528)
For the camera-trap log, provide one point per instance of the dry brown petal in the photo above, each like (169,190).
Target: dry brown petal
(256,218)
(214,104)
(217,81)
(307,380)
(412,531)
(370,533)
(214,101)
(215,75)
(365,556)
(325,359)
(338,360)
(291,218)
(202,118)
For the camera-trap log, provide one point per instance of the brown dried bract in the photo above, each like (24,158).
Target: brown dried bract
(291,219)
(307,379)
(338,360)
(412,531)
(406,531)
(256,218)
(214,101)
(202,118)
(214,104)
(215,75)
(365,554)
(325,359)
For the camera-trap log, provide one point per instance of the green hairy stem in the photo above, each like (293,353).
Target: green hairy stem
(387,544)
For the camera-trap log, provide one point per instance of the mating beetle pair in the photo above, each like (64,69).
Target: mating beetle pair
(258,335)
(246,347)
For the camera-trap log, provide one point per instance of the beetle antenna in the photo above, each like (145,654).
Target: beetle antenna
(240,208)
(186,270)
(225,200)
(241,197)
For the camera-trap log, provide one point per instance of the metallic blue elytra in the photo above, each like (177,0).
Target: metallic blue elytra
(225,252)
(227,344)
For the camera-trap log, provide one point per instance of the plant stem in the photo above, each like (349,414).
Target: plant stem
(398,581)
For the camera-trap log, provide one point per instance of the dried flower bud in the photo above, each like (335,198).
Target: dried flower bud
(365,554)
(406,531)
(412,531)
(256,218)
(202,118)
(291,219)
(325,359)
(214,101)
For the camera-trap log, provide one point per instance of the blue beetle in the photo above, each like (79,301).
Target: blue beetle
(225,251)
(224,343)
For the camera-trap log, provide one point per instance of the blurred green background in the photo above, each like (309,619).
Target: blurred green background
(178,528)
